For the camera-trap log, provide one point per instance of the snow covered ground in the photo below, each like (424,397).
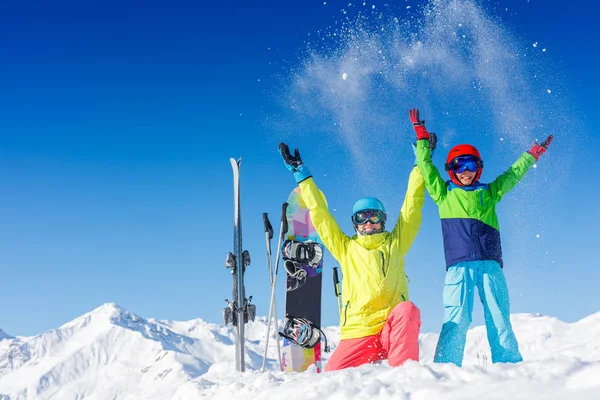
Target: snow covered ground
(111,353)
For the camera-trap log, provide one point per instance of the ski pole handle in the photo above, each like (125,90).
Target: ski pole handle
(284,224)
(268,227)
(336,286)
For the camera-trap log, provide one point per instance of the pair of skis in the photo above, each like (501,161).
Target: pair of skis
(239,310)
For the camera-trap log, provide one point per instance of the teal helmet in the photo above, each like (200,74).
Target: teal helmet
(372,204)
(368,203)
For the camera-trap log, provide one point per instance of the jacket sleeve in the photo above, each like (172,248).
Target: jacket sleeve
(436,186)
(505,182)
(329,231)
(411,214)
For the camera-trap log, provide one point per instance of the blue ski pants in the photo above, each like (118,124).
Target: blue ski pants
(459,288)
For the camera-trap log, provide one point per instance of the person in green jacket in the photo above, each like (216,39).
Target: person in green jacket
(472,244)
(378,321)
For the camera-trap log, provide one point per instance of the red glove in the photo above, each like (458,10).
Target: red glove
(538,149)
(418,124)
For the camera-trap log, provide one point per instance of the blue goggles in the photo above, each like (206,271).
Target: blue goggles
(462,163)
(372,216)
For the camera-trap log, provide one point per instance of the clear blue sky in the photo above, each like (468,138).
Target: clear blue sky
(118,119)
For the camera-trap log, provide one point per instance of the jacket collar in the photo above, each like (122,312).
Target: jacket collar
(475,186)
(371,241)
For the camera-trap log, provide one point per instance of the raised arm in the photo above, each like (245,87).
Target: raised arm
(329,231)
(509,179)
(436,186)
(411,214)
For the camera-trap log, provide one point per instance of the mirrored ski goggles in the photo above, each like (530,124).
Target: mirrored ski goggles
(462,163)
(372,216)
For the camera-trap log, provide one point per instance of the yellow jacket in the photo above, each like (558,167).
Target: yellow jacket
(372,266)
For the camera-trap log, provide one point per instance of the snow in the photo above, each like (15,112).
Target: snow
(111,353)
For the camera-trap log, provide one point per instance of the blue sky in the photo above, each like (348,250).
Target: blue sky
(119,118)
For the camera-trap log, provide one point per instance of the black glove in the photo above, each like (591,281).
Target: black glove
(432,142)
(294,163)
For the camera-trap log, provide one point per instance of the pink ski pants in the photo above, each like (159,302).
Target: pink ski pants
(397,342)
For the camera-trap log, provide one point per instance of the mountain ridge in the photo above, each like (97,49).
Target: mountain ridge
(111,352)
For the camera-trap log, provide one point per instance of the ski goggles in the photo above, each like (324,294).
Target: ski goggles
(372,216)
(462,163)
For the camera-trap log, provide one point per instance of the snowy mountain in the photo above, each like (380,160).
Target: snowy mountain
(111,353)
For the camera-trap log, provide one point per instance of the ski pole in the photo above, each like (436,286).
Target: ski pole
(282,231)
(268,237)
(336,287)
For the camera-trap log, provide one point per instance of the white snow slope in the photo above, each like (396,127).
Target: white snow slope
(111,353)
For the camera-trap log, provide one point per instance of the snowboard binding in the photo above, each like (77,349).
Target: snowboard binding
(309,252)
(303,332)
(300,260)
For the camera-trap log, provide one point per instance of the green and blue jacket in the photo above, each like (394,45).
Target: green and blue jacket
(468,213)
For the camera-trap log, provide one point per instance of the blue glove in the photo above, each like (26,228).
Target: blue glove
(294,163)
(432,145)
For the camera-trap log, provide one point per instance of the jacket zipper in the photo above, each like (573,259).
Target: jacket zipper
(346,312)
(383,264)
(475,248)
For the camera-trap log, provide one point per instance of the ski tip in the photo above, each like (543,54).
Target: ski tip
(236,161)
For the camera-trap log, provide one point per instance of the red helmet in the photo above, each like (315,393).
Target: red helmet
(462,150)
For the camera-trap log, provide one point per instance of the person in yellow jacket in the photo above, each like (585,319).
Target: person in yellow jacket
(378,321)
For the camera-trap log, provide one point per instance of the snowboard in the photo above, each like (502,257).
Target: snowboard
(303,285)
